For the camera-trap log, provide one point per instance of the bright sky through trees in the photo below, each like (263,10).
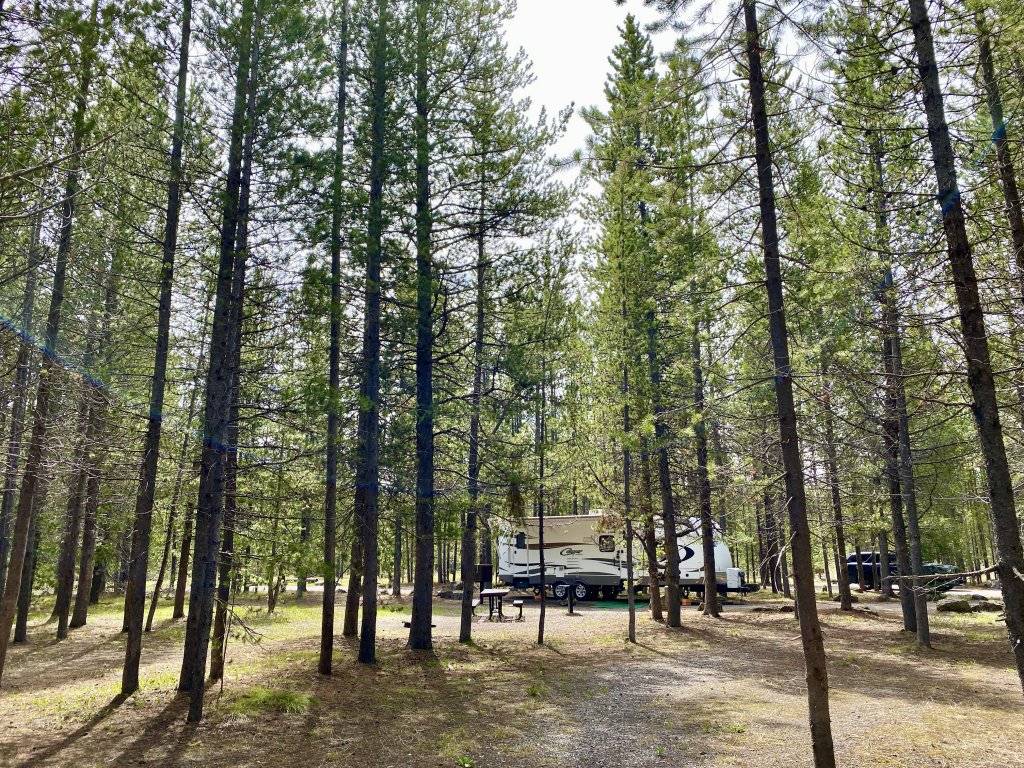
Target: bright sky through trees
(568,42)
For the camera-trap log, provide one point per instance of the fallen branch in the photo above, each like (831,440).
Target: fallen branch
(946,576)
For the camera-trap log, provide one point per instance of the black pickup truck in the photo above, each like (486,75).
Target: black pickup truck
(871,560)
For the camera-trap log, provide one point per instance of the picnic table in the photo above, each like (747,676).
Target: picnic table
(494,596)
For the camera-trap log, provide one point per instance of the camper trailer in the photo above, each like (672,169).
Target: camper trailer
(584,554)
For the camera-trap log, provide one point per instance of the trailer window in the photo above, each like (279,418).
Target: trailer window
(606,543)
(520,540)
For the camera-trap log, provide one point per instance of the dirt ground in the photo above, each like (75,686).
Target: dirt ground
(720,693)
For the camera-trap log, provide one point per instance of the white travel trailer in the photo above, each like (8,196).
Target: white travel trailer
(585,554)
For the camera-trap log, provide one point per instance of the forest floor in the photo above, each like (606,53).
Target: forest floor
(726,692)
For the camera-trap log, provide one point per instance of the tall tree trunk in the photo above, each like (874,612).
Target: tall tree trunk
(355,582)
(810,628)
(763,550)
(890,424)
(784,561)
(649,538)
(627,466)
(238,273)
(899,456)
(1007,177)
(624,393)
(86,567)
(396,566)
(179,480)
(28,577)
(832,473)
(22,374)
(95,463)
(65,575)
(473,469)
(861,582)
(333,375)
(136,602)
(31,480)
(187,531)
(368,476)
(217,408)
(87,557)
(275,569)
(885,583)
(827,552)
(422,593)
(906,471)
(975,338)
(630,583)
(890,429)
(712,606)
(541,439)
(668,510)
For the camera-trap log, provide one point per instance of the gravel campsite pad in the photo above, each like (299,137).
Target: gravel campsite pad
(718,693)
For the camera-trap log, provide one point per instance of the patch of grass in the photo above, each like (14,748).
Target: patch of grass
(453,746)
(260,700)
(72,701)
(164,681)
(712,728)
(535,690)
(850,660)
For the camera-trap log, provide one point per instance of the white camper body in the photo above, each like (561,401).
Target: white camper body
(585,553)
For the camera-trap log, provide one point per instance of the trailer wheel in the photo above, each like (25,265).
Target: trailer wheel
(560,590)
(582,591)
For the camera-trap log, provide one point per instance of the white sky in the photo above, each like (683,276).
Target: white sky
(568,42)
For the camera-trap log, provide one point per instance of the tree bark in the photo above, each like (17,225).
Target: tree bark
(668,511)
(217,408)
(238,274)
(136,597)
(473,468)
(422,593)
(883,565)
(650,539)
(330,575)
(832,473)
(226,564)
(31,480)
(972,321)
(810,628)
(179,480)
(355,584)
(1007,177)
(95,462)
(22,374)
(712,606)
(909,493)
(28,578)
(627,467)
(65,575)
(368,477)
(541,438)
(630,585)
(397,554)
